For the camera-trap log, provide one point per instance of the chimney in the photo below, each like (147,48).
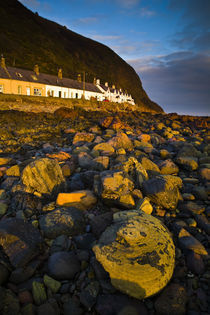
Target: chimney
(113,86)
(79,78)
(3,64)
(36,69)
(94,81)
(106,84)
(60,74)
(98,82)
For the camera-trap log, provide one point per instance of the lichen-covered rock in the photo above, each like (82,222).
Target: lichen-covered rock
(135,170)
(43,176)
(115,189)
(20,241)
(163,190)
(138,253)
(82,137)
(68,221)
(121,141)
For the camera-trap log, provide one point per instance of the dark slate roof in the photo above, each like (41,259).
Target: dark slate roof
(48,79)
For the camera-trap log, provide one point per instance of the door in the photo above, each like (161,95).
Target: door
(28,91)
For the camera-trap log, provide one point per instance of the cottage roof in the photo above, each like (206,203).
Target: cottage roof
(43,78)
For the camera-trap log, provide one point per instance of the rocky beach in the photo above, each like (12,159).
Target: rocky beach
(104,213)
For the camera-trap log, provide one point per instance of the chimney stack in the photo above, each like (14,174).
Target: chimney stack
(106,84)
(79,78)
(3,63)
(36,70)
(94,81)
(60,74)
(98,82)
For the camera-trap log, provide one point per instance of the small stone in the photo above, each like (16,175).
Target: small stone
(82,137)
(188,242)
(39,293)
(46,309)
(5,161)
(88,296)
(4,274)
(13,171)
(63,265)
(52,284)
(25,297)
(104,148)
(71,307)
(3,194)
(188,163)
(145,206)
(172,300)
(82,199)
(195,263)
(3,208)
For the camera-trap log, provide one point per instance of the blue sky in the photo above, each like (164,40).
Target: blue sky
(167,42)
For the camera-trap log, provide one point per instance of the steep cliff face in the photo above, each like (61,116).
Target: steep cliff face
(27,39)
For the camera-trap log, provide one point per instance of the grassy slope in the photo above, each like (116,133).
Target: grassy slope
(27,39)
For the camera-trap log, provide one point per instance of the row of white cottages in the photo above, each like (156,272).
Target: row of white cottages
(26,82)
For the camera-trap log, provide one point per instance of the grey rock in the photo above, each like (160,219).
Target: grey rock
(63,265)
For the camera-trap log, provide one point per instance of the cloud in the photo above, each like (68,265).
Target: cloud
(194,32)
(145,12)
(179,82)
(128,3)
(87,20)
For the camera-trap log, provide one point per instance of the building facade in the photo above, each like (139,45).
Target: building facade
(25,82)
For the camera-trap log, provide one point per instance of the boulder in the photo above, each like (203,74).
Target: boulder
(104,148)
(168,167)
(135,170)
(82,137)
(115,189)
(20,241)
(121,141)
(163,190)
(138,253)
(68,221)
(43,176)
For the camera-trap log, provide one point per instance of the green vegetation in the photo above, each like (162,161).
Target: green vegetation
(27,39)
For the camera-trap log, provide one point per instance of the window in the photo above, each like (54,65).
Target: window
(19,89)
(59,93)
(76,96)
(37,92)
(1,89)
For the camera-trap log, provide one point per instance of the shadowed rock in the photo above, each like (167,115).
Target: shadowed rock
(20,241)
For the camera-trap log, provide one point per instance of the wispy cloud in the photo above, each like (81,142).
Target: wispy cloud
(145,12)
(106,37)
(128,3)
(88,20)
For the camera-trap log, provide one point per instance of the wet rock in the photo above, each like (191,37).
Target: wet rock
(82,199)
(100,222)
(188,242)
(195,263)
(22,274)
(43,176)
(85,160)
(138,253)
(46,309)
(163,190)
(63,265)
(61,243)
(135,170)
(100,163)
(9,303)
(149,165)
(172,300)
(204,173)
(20,241)
(71,307)
(84,241)
(203,223)
(145,206)
(68,221)
(88,296)
(192,207)
(28,203)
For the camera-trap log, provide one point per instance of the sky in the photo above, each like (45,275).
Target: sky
(167,42)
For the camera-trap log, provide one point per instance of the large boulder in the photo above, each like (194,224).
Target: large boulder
(20,241)
(115,189)
(121,140)
(43,176)
(68,221)
(163,190)
(138,253)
